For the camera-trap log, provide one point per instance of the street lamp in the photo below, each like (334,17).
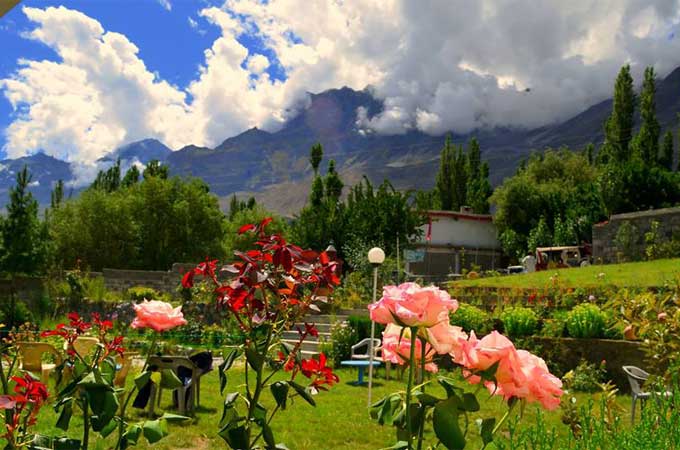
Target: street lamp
(376,256)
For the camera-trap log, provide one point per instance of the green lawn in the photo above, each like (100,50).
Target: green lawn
(637,274)
(340,420)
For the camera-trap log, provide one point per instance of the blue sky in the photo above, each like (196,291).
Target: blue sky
(167,42)
(198,72)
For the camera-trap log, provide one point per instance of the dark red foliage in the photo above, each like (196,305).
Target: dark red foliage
(29,396)
(77,327)
(318,372)
(275,279)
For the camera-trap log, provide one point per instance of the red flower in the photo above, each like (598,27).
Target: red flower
(317,371)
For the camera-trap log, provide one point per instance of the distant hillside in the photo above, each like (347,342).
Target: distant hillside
(274,166)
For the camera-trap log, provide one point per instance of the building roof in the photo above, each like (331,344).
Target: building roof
(461,215)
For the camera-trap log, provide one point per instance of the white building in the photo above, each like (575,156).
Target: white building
(457,241)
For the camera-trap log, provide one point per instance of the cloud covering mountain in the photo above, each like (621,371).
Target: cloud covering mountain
(437,66)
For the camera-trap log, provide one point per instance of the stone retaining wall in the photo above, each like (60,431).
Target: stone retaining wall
(604,234)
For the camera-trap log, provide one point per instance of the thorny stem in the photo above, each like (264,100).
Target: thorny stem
(421,428)
(409,387)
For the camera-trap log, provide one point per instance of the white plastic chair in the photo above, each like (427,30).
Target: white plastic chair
(366,343)
(636,379)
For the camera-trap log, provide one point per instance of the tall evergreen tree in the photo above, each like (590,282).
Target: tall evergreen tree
(156,169)
(333,184)
(23,238)
(647,139)
(57,194)
(590,153)
(619,126)
(316,194)
(443,182)
(667,151)
(474,156)
(460,179)
(131,177)
(108,180)
(315,157)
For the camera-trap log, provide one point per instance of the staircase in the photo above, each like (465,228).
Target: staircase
(311,345)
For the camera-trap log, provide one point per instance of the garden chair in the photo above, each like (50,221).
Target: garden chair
(363,356)
(185,395)
(83,345)
(31,354)
(636,378)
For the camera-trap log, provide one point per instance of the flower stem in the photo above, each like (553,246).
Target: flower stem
(409,387)
(421,427)
(86,425)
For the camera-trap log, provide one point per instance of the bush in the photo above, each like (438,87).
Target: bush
(139,293)
(555,325)
(586,321)
(586,377)
(343,337)
(362,327)
(470,318)
(519,321)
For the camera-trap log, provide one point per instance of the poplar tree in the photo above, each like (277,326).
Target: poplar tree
(619,126)
(445,175)
(315,157)
(22,233)
(647,139)
(667,151)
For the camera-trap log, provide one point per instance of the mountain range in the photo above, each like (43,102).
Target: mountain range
(274,167)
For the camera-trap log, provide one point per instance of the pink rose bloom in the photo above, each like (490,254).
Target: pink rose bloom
(7,402)
(539,384)
(661,317)
(413,306)
(157,315)
(398,351)
(446,338)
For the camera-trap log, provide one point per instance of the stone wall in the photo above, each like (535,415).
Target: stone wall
(604,234)
(162,281)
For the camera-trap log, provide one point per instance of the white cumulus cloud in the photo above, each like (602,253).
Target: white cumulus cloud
(438,65)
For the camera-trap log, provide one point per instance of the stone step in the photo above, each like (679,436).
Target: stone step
(294,335)
(312,346)
(320,327)
(324,318)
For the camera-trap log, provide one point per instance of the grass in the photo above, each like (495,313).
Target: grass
(636,274)
(340,420)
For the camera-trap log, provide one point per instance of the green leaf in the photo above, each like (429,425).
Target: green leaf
(268,436)
(142,379)
(389,410)
(108,429)
(132,434)
(226,365)
(255,359)
(154,430)
(169,379)
(174,417)
(260,414)
(302,392)
(229,409)
(486,430)
(446,426)
(66,412)
(280,393)
(235,437)
(470,403)
(427,399)
(103,402)
(490,373)
(398,446)
(449,386)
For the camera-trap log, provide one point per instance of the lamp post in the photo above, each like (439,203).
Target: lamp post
(376,256)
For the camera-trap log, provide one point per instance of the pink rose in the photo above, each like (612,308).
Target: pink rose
(413,306)
(540,385)
(661,317)
(7,402)
(446,338)
(157,315)
(398,351)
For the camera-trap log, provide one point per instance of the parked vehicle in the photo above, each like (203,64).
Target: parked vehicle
(562,257)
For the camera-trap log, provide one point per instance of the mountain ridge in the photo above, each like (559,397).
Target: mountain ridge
(271,165)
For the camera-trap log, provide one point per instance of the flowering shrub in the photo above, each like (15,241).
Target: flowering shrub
(271,289)
(519,321)
(586,321)
(418,327)
(89,380)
